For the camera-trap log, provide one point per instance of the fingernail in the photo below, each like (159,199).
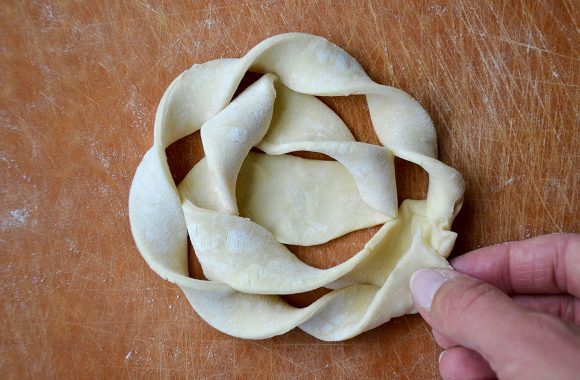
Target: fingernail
(441,355)
(426,282)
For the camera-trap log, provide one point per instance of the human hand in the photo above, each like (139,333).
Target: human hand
(510,311)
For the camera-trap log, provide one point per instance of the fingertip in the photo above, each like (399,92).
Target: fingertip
(424,283)
(441,356)
(460,363)
(472,260)
(456,262)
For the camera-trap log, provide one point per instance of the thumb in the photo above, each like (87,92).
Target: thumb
(514,341)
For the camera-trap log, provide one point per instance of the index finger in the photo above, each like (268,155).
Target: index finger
(544,264)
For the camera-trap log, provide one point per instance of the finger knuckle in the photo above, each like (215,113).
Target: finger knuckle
(466,300)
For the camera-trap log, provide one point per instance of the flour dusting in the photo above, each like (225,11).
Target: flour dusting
(15,218)
(511,180)
(72,246)
(50,13)
(525,231)
(136,109)
(438,10)
(507,182)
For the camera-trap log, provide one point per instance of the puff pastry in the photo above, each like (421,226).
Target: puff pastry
(239,208)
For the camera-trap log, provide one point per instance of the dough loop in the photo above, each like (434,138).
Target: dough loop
(289,199)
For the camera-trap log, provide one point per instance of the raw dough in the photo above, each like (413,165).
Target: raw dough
(239,206)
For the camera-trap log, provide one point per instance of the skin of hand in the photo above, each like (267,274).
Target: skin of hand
(510,311)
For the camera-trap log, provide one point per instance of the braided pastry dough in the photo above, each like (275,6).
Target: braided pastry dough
(287,199)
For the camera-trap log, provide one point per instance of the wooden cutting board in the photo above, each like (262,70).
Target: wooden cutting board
(80,85)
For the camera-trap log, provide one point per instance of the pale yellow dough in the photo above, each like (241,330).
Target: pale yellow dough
(239,207)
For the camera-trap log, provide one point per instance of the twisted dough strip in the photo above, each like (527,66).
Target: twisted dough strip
(246,263)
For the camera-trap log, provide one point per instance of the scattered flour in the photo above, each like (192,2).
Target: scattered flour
(438,10)
(51,13)
(507,182)
(72,246)
(135,107)
(511,180)
(525,231)
(15,218)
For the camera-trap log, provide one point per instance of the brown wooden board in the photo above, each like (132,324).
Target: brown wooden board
(80,85)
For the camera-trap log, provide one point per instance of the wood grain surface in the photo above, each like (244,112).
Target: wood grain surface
(80,85)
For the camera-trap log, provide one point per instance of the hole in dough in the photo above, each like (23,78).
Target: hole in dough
(412,180)
(307,298)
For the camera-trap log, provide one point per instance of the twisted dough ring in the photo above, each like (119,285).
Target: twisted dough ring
(246,264)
